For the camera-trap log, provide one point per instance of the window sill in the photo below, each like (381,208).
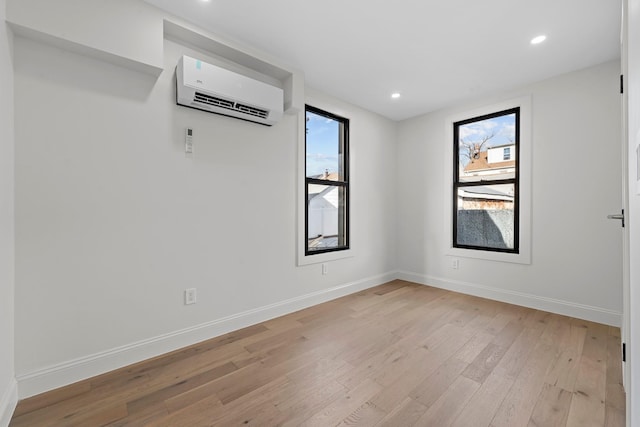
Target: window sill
(524,257)
(324,257)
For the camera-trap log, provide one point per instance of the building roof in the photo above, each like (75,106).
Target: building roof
(508,144)
(481,163)
(329,176)
(494,192)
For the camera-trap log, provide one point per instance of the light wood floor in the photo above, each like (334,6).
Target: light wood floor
(396,355)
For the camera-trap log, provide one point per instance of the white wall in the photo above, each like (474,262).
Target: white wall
(8,394)
(113,222)
(576,251)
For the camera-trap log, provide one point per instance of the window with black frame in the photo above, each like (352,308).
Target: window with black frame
(486,182)
(326,182)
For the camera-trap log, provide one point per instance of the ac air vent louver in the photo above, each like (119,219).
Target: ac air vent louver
(229,105)
(252,110)
(212,100)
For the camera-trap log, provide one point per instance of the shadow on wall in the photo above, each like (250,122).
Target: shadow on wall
(486,228)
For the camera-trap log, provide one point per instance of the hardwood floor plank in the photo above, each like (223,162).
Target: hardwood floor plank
(172,390)
(104,417)
(191,396)
(371,367)
(344,406)
(614,417)
(392,395)
(276,340)
(509,333)
(380,312)
(367,344)
(143,418)
(482,406)
(377,299)
(420,314)
(392,286)
(405,363)
(260,415)
(297,409)
(211,411)
(498,322)
(588,403)
(480,323)
(48,399)
(407,413)
(394,355)
(430,390)
(283,323)
(614,393)
(552,407)
(243,381)
(474,347)
(367,414)
(450,404)
(510,366)
(484,363)
(518,405)
(319,371)
(421,321)
(442,334)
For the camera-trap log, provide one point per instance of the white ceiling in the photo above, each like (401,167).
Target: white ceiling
(434,52)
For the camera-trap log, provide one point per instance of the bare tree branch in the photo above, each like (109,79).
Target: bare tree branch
(472,149)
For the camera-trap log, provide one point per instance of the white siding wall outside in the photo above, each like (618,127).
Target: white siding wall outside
(323,214)
(496,155)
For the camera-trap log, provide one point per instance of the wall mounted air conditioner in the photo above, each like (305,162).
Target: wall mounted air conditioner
(217,90)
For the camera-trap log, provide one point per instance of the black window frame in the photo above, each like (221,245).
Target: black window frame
(515,181)
(344,184)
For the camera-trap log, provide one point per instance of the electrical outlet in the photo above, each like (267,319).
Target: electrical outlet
(324,268)
(190,296)
(455,263)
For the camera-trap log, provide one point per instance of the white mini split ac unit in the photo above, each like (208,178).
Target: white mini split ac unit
(217,90)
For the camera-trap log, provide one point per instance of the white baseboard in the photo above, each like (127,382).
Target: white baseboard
(52,377)
(8,403)
(566,308)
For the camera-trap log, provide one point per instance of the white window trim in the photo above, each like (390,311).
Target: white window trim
(302,258)
(525,153)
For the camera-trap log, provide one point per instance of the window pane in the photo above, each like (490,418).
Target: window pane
(485,216)
(326,217)
(324,148)
(486,149)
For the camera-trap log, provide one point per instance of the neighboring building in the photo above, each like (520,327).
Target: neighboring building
(323,202)
(486,212)
(497,162)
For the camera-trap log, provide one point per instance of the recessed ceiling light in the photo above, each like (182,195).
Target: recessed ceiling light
(538,39)
(395,95)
